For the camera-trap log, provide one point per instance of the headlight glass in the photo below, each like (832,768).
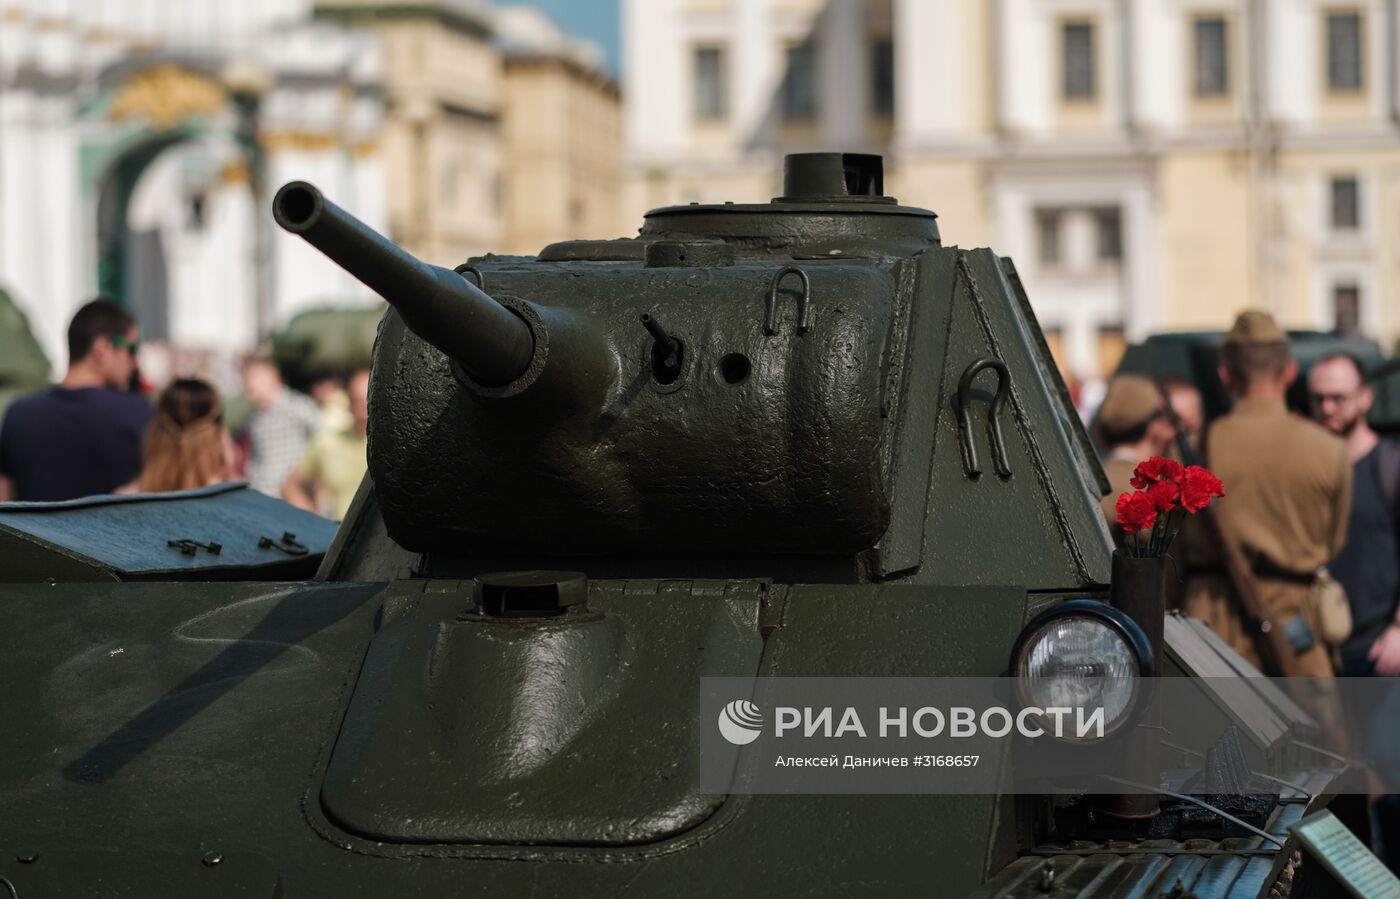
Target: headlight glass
(1080,662)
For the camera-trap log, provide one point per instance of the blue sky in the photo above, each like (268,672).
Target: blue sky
(596,20)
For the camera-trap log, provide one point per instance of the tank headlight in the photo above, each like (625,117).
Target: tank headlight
(1082,654)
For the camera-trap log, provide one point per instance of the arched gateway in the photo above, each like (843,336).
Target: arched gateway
(134,169)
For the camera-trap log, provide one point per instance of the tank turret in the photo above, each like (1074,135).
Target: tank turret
(777,382)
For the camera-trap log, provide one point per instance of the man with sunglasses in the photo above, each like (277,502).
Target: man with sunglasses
(82,436)
(1368,566)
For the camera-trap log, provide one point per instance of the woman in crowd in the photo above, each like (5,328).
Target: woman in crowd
(187,444)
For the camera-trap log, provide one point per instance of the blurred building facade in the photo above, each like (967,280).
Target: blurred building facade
(501,133)
(1150,166)
(441,138)
(561,131)
(131,137)
(141,141)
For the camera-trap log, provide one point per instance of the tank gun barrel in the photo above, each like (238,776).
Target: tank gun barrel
(492,344)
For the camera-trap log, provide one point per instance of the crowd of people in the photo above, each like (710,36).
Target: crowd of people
(97,431)
(1311,501)
(1299,567)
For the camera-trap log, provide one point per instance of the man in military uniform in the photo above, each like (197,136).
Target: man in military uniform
(1288,495)
(1133,425)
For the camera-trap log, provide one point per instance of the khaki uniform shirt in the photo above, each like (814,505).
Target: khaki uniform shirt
(1287,499)
(1287,485)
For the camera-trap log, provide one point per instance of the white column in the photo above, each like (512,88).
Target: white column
(1377,33)
(23,229)
(56,216)
(305,277)
(929,88)
(1111,42)
(1081,341)
(217,262)
(1293,44)
(1141,311)
(656,91)
(845,72)
(20,239)
(55,48)
(1162,78)
(1078,240)
(1013,235)
(16,45)
(754,67)
(1018,56)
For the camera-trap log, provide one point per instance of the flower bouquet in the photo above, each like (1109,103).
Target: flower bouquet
(1164,493)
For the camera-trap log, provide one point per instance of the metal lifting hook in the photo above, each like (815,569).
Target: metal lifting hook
(770,306)
(971,466)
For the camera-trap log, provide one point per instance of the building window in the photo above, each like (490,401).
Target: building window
(882,76)
(1212,68)
(1109,225)
(1344,51)
(1346,308)
(1078,46)
(800,83)
(1047,236)
(1346,204)
(710,88)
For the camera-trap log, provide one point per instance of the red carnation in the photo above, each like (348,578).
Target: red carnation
(1198,486)
(1157,468)
(1163,495)
(1147,471)
(1135,512)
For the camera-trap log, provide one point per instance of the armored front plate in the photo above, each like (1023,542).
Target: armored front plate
(167,722)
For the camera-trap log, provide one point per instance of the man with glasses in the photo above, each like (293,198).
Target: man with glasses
(83,436)
(1368,565)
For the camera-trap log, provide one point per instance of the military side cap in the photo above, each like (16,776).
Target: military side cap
(1255,327)
(1130,401)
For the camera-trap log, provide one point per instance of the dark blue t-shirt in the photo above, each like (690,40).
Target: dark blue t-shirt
(63,444)
(1369,564)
